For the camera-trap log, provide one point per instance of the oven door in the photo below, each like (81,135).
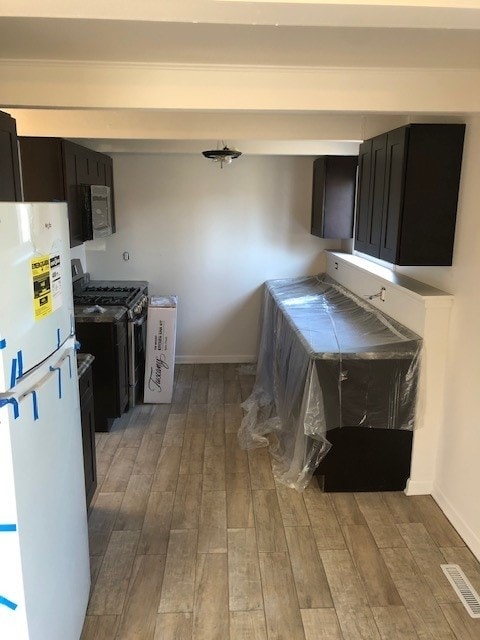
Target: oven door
(137,337)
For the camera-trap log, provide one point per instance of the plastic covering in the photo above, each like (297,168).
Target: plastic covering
(327,359)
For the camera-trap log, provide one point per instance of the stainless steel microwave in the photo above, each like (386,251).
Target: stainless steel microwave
(95,204)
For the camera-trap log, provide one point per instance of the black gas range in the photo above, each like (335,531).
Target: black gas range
(131,294)
(100,299)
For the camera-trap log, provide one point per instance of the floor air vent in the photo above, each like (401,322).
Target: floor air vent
(467,594)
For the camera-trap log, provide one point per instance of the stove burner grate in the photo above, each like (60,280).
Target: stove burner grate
(108,296)
(109,289)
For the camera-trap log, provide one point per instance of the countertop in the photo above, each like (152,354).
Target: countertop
(84,360)
(332,324)
(109,314)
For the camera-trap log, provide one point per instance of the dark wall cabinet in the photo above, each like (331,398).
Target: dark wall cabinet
(107,341)
(52,168)
(333,196)
(407,194)
(85,383)
(10,185)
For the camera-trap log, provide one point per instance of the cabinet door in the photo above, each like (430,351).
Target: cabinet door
(82,166)
(49,170)
(379,152)
(393,193)
(432,178)
(42,169)
(88,434)
(70,176)
(98,338)
(364,196)
(370,202)
(10,186)
(98,170)
(333,200)
(90,166)
(318,197)
(122,366)
(109,183)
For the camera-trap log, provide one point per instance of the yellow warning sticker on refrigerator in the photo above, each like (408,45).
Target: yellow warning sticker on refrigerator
(55,281)
(42,293)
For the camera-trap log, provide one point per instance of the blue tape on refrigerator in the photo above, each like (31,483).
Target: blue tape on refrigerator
(13,402)
(8,603)
(20,364)
(35,404)
(59,369)
(13,373)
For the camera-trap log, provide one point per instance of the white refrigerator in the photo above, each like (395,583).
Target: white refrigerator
(44,560)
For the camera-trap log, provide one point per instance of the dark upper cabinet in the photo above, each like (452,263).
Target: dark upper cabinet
(363,219)
(333,196)
(52,168)
(407,194)
(10,184)
(371,181)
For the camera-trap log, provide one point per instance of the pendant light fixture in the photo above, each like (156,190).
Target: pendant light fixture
(223,156)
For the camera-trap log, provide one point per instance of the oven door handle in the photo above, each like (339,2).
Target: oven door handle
(139,321)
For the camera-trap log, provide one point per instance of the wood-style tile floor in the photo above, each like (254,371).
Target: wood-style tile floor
(191,539)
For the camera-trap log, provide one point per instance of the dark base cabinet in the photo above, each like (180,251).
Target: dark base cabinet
(85,383)
(366,460)
(107,341)
(375,394)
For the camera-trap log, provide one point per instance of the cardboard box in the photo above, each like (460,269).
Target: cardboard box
(160,349)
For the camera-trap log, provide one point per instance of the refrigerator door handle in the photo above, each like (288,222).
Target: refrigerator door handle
(34,390)
(59,369)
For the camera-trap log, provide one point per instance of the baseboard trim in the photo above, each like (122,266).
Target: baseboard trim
(470,537)
(418,488)
(215,359)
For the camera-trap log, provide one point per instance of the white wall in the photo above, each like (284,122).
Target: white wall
(80,254)
(212,236)
(458,466)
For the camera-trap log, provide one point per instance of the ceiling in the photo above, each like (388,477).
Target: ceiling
(450,14)
(233,44)
(342,35)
